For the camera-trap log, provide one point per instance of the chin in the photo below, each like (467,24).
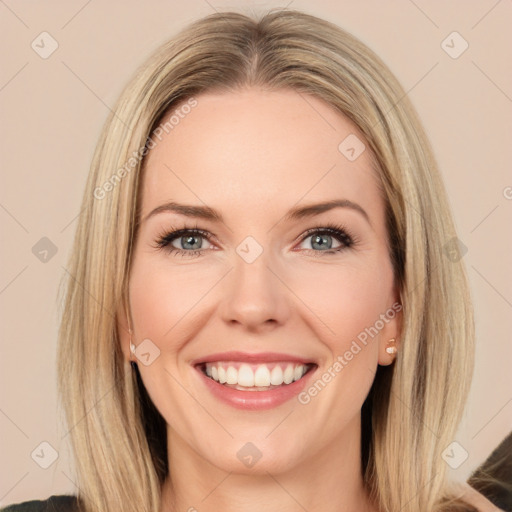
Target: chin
(257,457)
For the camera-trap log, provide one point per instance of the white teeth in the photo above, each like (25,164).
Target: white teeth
(231,376)
(288,374)
(262,377)
(245,376)
(276,377)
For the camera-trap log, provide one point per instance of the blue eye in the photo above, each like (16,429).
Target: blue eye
(185,242)
(329,240)
(321,241)
(191,241)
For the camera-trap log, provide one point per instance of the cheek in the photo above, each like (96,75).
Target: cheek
(164,301)
(347,298)
(163,298)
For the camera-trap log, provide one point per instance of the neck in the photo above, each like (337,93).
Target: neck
(330,481)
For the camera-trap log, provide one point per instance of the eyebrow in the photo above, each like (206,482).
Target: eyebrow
(311,210)
(300,212)
(200,212)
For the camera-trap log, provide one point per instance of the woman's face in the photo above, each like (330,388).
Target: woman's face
(281,294)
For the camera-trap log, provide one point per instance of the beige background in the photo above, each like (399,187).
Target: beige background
(53,110)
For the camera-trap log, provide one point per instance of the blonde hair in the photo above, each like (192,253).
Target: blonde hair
(414,406)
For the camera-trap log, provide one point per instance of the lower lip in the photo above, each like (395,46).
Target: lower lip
(256,400)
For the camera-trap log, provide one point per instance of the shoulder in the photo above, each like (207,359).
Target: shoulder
(57,503)
(477,500)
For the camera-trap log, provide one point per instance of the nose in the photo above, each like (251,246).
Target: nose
(254,297)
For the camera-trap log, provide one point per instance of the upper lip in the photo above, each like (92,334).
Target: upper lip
(260,357)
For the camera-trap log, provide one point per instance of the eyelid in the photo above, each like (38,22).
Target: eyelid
(193,232)
(167,236)
(173,233)
(334,230)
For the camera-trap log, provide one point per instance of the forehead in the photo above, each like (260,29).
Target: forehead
(239,151)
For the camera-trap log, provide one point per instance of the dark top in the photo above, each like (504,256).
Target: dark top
(58,503)
(62,503)
(66,503)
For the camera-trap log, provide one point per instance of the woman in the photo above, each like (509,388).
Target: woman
(266,307)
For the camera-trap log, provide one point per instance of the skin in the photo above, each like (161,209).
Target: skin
(253,155)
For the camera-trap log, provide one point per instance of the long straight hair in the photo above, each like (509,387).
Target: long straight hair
(414,406)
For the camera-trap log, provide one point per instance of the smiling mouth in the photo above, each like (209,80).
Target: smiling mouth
(255,377)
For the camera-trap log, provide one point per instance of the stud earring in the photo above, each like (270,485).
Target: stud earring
(132,347)
(391,349)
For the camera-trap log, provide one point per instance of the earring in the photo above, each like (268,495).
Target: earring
(391,349)
(132,347)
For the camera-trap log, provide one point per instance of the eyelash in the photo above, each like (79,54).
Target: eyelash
(339,232)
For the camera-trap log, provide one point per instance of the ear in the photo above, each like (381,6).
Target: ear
(123,329)
(392,330)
